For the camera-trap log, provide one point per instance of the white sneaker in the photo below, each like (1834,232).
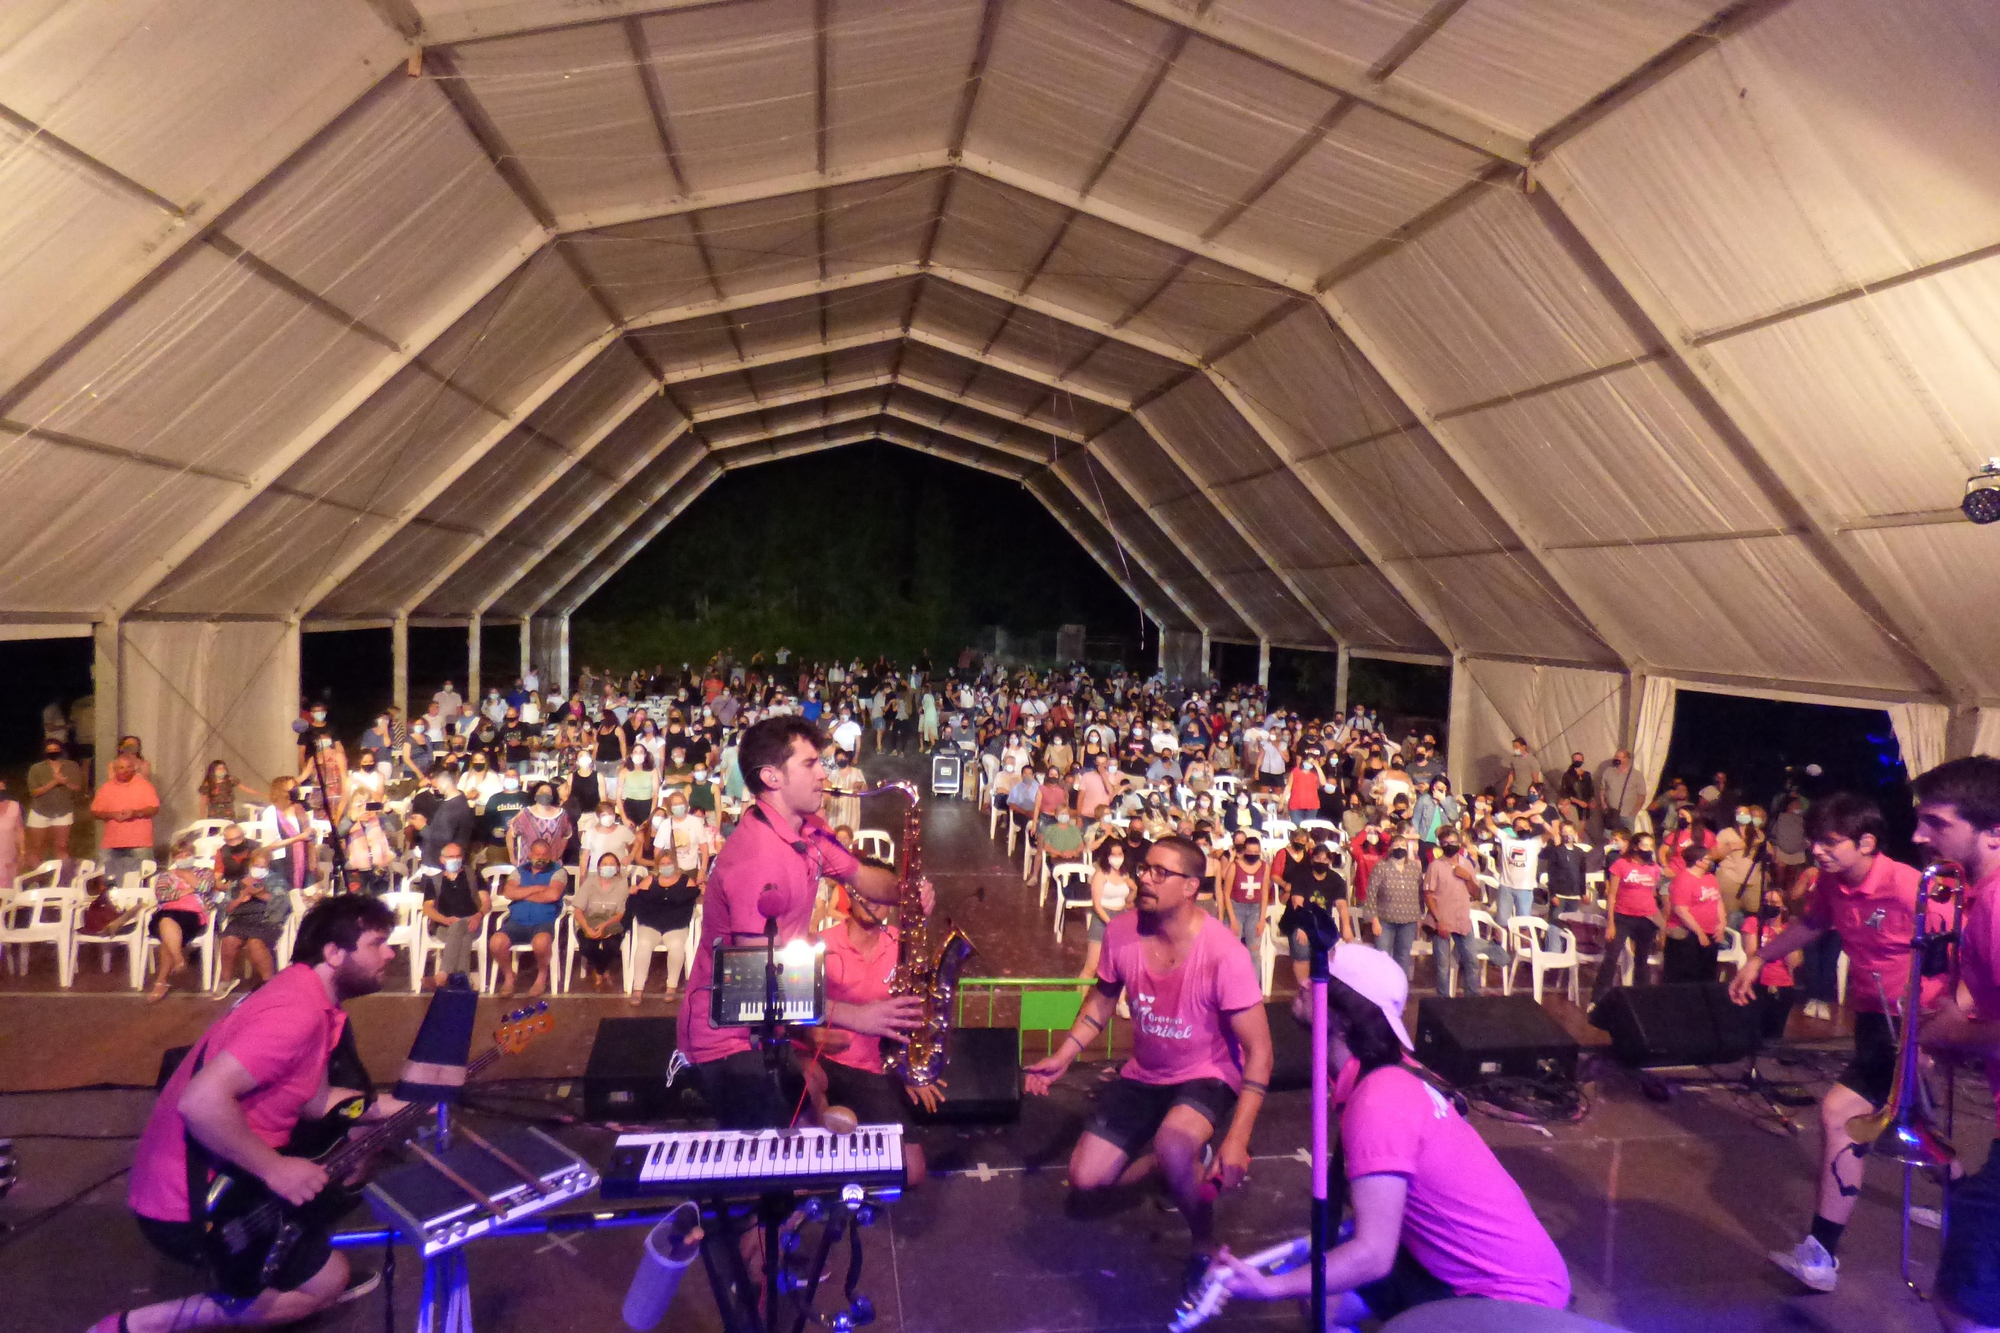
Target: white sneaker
(1930,1219)
(1809,1263)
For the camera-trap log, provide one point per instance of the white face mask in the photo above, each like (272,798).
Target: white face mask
(511,784)
(1743,816)
(607,820)
(677,810)
(452,864)
(607,872)
(583,764)
(260,872)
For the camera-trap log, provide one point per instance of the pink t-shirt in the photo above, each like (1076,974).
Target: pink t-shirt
(759,854)
(1464,1219)
(283,1034)
(1875,921)
(854,977)
(1180,1018)
(1979,959)
(1702,896)
(1637,887)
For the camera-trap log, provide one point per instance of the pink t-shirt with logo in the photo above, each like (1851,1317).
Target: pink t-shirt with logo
(1875,921)
(760,853)
(1464,1219)
(1636,887)
(1979,960)
(1702,896)
(1180,1018)
(854,977)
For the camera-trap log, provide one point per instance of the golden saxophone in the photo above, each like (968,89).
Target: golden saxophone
(932,977)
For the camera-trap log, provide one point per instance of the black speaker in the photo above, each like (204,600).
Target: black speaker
(982,1077)
(1682,1023)
(1291,1048)
(170,1060)
(626,1076)
(1468,1039)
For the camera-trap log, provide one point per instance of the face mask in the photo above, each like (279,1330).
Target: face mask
(583,764)
(510,784)
(607,872)
(677,810)
(1743,816)
(1114,862)
(1448,848)
(1062,819)
(319,715)
(607,820)
(1641,854)
(1399,853)
(701,775)
(452,864)
(546,798)
(260,872)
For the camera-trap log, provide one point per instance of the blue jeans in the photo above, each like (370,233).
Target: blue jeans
(1819,977)
(1397,939)
(1249,924)
(1460,954)
(1510,903)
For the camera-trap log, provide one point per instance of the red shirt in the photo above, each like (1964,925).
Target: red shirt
(1776,972)
(854,977)
(760,853)
(1248,884)
(1464,1218)
(1702,896)
(1875,920)
(283,1034)
(1635,887)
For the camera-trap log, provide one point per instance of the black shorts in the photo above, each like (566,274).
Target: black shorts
(189,923)
(1405,1286)
(181,1241)
(1872,1070)
(875,1099)
(740,1094)
(1127,1114)
(1968,1273)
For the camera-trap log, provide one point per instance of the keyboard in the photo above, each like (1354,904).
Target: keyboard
(704,1163)
(789,1011)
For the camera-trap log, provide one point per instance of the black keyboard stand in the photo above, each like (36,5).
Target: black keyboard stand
(738,1298)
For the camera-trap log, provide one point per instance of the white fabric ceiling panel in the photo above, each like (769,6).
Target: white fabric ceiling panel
(776,242)
(505,346)
(571,109)
(208,69)
(1487,302)
(645,267)
(634,438)
(1150,546)
(1411,497)
(387,215)
(1215,126)
(503,475)
(1501,604)
(1082,523)
(403,436)
(896,75)
(61,236)
(212,366)
(94,519)
(1060,83)
(1762,607)
(1311,386)
(1123,371)
(1366,608)
(739,86)
(1888,402)
(1289,524)
(1193,518)
(489,566)
(1623,457)
(995,232)
(266,559)
(388,579)
(1148,472)
(1103,272)
(873,223)
(971,318)
(1827,146)
(1280,614)
(1525,64)
(874,308)
(593,398)
(792,417)
(1932,567)
(1207,305)
(1371,174)
(1208,434)
(1364,30)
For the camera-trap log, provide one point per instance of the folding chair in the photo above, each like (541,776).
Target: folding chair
(1072,889)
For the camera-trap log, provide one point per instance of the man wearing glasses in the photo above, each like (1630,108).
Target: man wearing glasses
(1201,1049)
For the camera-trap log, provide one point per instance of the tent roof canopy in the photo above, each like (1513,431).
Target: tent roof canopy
(1623,334)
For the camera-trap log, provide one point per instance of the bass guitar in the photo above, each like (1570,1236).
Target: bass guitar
(251,1232)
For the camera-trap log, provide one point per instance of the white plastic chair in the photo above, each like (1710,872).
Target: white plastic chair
(498,918)
(1226,784)
(131,938)
(1267,946)
(693,946)
(1319,830)
(412,932)
(1731,954)
(874,842)
(1492,940)
(1528,937)
(205,828)
(1065,878)
(40,916)
(289,935)
(433,943)
(203,944)
(1277,831)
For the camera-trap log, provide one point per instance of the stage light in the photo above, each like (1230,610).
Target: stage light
(1982,494)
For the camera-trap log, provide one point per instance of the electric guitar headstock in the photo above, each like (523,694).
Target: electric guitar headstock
(520,1029)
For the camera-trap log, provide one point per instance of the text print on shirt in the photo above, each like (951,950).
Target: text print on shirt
(1160,1025)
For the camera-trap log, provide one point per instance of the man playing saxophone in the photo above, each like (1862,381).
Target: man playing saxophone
(1958,819)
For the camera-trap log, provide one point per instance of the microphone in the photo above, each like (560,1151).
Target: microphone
(770,903)
(670,1247)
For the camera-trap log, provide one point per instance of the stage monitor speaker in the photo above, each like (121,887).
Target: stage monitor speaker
(982,1078)
(1682,1023)
(1466,1040)
(626,1076)
(170,1060)
(1291,1048)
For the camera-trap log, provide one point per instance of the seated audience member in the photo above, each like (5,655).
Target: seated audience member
(661,909)
(181,893)
(598,919)
(534,895)
(455,904)
(258,906)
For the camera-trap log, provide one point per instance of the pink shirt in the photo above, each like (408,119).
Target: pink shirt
(1875,921)
(1702,896)
(855,977)
(759,853)
(1636,887)
(283,1034)
(1979,960)
(1464,1219)
(1180,1018)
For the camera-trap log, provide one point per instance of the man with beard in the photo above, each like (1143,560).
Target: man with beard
(235,1099)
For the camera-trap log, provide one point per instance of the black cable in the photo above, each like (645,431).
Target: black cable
(79,1138)
(80,1087)
(49,1214)
(1531,1099)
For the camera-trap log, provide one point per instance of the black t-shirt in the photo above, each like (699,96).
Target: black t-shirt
(666,905)
(514,737)
(454,895)
(1326,892)
(501,807)
(607,743)
(584,794)
(426,803)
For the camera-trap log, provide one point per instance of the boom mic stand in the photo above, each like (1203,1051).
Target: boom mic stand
(1321,935)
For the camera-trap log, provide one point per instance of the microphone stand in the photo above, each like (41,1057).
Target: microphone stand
(1321,936)
(333,838)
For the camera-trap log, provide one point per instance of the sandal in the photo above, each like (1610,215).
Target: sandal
(159,992)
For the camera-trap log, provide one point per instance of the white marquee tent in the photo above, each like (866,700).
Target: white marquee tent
(1594,347)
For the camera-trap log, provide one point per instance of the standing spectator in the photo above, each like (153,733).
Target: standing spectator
(125,806)
(1619,795)
(1695,935)
(1576,791)
(1742,859)
(638,784)
(542,821)
(450,825)
(1523,774)
(455,905)
(448,701)
(1248,894)
(1788,839)
(1636,918)
(603,833)
(218,792)
(1449,883)
(843,804)
(1520,853)
(1111,892)
(11,831)
(1395,892)
(53,787)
